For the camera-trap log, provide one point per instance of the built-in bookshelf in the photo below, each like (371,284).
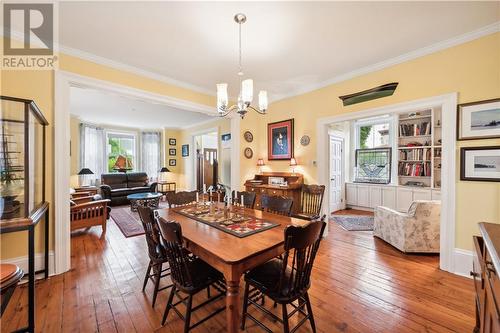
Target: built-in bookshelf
(419,148)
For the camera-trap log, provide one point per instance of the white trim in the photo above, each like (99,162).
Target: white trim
(442,45)
(235,153)
(22,262)
(462,262)
(448,104)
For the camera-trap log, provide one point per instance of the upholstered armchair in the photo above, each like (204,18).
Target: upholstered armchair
(415,231)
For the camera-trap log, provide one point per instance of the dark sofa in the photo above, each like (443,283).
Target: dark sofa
(116,186)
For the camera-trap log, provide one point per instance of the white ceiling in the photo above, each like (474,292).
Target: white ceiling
(287,45)
(111,109)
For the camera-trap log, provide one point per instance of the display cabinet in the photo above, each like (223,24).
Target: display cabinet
(22,180)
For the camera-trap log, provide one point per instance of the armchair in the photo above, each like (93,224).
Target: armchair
(88,214)
(415,231)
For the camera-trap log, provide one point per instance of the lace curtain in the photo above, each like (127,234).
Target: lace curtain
(92,149)
(151,153)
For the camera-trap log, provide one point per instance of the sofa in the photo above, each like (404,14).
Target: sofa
(116,186)
(418,230)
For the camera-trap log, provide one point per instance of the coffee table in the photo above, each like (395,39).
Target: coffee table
(151,200)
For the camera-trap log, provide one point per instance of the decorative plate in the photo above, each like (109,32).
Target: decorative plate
(248,136)
(248,152)
(304,140)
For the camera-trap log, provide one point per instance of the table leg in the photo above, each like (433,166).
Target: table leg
(31,279)
(232,305)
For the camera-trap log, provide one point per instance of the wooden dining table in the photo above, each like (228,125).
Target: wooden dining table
(232,255)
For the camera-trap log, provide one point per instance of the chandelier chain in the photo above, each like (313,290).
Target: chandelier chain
(241,67)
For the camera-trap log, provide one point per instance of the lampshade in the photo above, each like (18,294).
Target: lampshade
(247,90)
(263,100)
(293,161)
(260,162)
(222,98)
(85,171)
(164,169)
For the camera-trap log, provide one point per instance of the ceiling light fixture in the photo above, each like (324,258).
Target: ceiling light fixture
(246,91)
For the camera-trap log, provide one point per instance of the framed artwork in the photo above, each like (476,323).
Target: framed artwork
(280,140)
(480,163)
(185,150)
(478,120)
(172,162)
(172,152)
(172,141)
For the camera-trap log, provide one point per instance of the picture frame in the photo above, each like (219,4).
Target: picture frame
(185,150)
(172,152)
(280,140)
(172,162)
(172,141)
(478,120)
(480,163)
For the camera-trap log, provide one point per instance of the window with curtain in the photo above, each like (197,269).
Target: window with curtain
(151,153)
(92,149)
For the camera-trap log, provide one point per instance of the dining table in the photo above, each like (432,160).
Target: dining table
(230,254)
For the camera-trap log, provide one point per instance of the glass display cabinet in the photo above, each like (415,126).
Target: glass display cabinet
(22,180)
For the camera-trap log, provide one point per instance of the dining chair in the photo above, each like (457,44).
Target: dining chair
(156,252)
(190,275)
(181,198)
(276,204)
(311,200)
(285,284)
(248,198)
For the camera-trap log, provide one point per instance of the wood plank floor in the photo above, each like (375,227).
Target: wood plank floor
(360,284)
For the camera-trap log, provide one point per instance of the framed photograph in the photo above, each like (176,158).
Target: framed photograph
(172,162)
(280,140)
(478,120)
(172,152)
(172,141)
(480,163)
(185,150)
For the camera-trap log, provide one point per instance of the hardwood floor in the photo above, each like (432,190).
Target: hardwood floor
(360,284)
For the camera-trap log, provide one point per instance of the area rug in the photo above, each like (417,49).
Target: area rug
(354,222)
(128,221)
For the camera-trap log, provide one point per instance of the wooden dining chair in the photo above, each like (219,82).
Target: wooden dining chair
(311,201)
(156,252)
(181,198)
(276,204)
(286,284)
(248,198)
(190,275)
(10,275)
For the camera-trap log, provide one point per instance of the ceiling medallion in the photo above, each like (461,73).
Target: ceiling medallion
(245,96)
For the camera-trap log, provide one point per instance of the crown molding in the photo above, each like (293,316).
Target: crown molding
(454,41)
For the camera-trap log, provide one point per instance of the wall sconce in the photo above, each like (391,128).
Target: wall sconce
(260,164)
(293,164)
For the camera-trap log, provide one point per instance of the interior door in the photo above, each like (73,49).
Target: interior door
(336,166)
(210,166)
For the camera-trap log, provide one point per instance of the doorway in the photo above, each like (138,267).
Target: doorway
(207,162)
(336,180)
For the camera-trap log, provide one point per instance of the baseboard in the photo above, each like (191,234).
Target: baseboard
(22,262)
(462,262)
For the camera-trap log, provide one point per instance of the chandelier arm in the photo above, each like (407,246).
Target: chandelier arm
(228,110)
(256,110)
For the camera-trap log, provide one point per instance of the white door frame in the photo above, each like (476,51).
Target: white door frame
(342,169)
(192,172)
(448,104)
(63,82)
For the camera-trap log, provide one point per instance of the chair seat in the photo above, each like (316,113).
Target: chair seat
(202,274)
(266,278)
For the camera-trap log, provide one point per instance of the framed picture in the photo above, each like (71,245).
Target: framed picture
(280,140)
(480,163)
(185,150)
(172,152)
(172,162)
(172,141)
(478,120)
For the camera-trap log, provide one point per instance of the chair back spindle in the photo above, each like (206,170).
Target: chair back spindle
(312,198)
(152,233)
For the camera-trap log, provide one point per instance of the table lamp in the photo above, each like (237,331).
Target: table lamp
(260,164)
(83,175)
(163,174)
(293,164)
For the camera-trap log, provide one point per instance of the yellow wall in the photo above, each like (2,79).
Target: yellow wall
(471,69)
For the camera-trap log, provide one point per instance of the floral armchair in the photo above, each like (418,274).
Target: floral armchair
(415,231)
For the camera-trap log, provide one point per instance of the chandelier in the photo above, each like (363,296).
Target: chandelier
(245,96)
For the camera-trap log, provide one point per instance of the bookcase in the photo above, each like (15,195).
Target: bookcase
(419,148)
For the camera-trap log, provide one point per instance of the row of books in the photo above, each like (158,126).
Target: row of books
(415,169)
(415,129)
(418,154)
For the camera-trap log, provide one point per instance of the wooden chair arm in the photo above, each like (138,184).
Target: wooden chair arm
(82,199)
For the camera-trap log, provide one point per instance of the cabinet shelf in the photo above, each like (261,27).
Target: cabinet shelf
(414,118)
(414,136)
(414,147)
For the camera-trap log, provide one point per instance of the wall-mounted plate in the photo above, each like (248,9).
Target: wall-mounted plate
(305,140)
(248,152)
(248,136)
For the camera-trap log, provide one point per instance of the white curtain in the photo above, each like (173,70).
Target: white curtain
(151,153)
(92,149)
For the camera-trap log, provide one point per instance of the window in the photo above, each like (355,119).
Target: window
(121,152)
(92,149)
(374,135)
